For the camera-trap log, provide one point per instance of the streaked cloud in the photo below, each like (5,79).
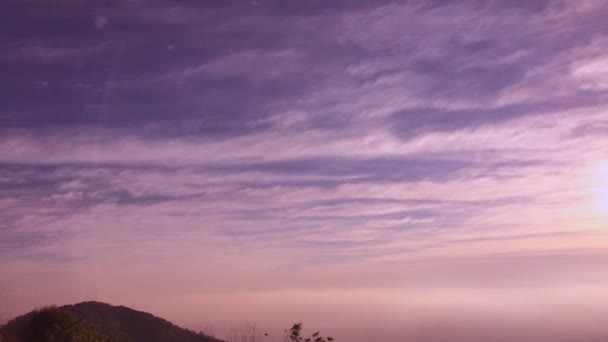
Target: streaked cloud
(288,146)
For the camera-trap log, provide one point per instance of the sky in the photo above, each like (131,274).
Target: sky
(380,170)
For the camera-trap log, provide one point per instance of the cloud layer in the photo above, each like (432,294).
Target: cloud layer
(300,138)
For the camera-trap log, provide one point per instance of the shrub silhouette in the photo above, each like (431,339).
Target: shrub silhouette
(294,334)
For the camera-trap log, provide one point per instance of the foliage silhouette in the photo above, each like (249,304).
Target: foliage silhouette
(53,324)
(115,323)
(294,334)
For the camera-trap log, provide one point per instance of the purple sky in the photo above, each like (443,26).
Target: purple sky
(398,166)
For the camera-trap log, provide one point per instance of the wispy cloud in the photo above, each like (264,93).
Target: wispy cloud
(345,139)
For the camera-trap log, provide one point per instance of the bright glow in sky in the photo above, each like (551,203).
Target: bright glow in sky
(602,187)
(440,167)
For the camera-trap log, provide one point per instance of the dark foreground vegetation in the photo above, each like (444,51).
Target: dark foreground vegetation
(95,322)
(99,322)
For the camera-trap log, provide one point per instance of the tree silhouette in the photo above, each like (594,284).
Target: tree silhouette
(58,325)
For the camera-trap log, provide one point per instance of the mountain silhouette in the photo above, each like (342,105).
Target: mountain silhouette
(114,323)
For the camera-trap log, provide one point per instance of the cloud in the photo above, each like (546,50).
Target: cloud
(597,128)
(341,140)
(592,73)
(52,53)
(101,22)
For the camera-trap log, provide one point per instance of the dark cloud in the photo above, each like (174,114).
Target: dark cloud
(410,123)
(590,129)
(152,67)
(54,192)
(294,7)
(522,6)
(377,169)
(454,79)
(62,190)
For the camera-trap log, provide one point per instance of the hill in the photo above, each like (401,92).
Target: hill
(114,323)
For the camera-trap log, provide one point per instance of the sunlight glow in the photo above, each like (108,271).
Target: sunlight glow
(603,202)
(601,189)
